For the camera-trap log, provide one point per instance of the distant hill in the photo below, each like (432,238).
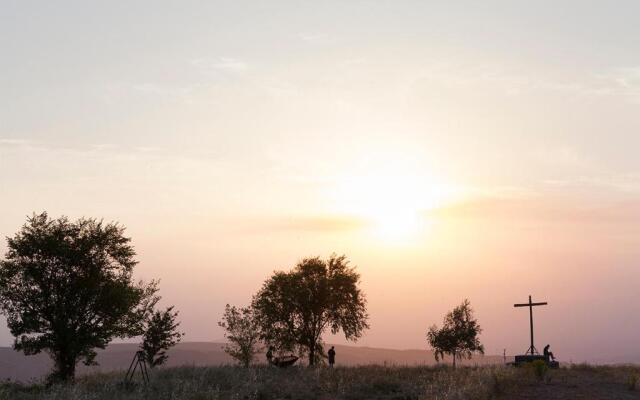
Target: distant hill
(16,366)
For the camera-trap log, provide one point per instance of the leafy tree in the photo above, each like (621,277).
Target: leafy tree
(458,336)
(66,288)
(295,308)
(242,332)
(160,334)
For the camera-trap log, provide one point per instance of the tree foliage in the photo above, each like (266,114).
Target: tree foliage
(66,288)
(243,333)
(458,336)
(295,308)
(160,334)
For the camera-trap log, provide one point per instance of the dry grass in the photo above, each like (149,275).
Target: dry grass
(357,383)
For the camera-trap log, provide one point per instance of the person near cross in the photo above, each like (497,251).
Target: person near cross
(547,354)
(332,356)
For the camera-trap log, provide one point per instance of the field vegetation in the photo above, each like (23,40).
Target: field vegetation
(348,383)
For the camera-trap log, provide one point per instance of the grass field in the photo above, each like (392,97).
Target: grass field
(355,383)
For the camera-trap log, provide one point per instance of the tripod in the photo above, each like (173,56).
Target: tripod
(139,361)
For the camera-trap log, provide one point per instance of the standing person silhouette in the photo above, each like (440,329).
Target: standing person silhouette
(332,356)
(270,354)
(547,354)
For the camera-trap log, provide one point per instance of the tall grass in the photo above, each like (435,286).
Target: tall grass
(265,383)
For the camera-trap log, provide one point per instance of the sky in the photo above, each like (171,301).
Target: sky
(450,149)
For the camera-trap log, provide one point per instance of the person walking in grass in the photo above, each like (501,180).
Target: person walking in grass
(332,356)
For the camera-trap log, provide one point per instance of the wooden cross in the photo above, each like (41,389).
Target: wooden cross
(532,349)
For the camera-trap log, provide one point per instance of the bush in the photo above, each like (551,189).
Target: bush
(540,369)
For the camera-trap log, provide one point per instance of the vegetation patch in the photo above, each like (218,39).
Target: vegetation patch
(357,383)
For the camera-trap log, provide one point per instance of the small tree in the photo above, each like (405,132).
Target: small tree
(66,288)
(295,308)
(458,336)
(242,332)
(160,334)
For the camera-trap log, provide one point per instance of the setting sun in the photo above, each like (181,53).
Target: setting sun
(393,202)
(394,224)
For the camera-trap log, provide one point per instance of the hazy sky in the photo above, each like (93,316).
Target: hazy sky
(481,150)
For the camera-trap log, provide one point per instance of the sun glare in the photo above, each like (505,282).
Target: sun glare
(397,224)
(394,203)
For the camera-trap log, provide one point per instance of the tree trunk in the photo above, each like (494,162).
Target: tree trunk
(65,368)
(454,359)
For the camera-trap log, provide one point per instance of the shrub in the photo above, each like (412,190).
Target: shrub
(160,334)
(540,369)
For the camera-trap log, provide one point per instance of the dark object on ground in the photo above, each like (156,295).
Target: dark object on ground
(528,358)
(284,361)
(138,362)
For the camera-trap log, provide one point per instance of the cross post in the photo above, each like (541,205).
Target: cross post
(530,304)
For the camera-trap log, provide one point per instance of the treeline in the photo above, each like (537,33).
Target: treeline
(294,309)
(67,289)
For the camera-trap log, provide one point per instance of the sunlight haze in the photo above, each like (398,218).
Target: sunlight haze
(451,150)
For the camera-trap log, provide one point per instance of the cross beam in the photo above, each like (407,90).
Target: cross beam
(530,304)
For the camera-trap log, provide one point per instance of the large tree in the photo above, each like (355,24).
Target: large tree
(66,288)
(295,308)
(242,331)
(159,335)
(458,336)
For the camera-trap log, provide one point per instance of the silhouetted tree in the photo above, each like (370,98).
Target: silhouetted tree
(242,332)
(458,336)
(160,334)
(66,288)
(295,308)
